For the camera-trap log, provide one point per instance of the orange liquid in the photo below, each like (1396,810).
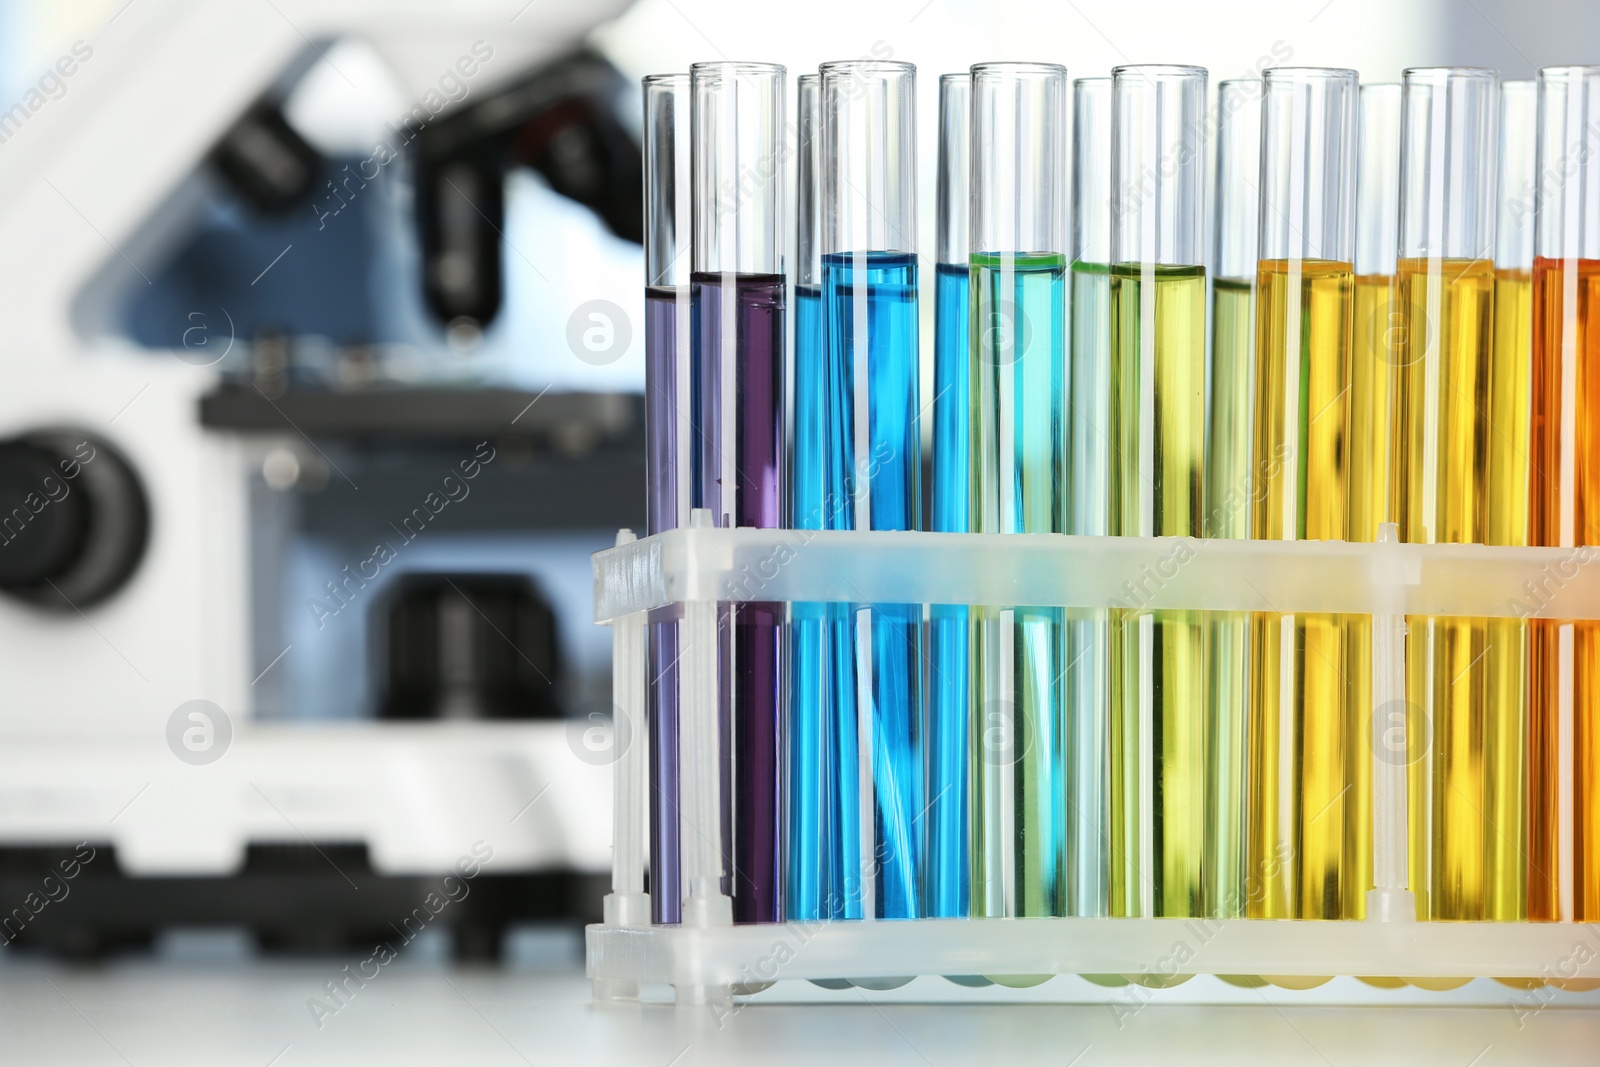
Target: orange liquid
(1564,510)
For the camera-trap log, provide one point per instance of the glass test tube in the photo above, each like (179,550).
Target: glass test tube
(1017,375)
(1157,659)
(739,304)
(1229,485)
(824,846)
(1375,316)
(1374,327)
(1087,872)
(1509,406)
(669,445)
(1565,487)
(869,330)
(1307,723)
(1445,276)
(949,680)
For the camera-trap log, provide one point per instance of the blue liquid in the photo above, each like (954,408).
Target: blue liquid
(873,473)
(948,679)
(1088,638)
(824,827)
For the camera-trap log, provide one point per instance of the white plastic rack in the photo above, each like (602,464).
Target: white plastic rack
(708,959)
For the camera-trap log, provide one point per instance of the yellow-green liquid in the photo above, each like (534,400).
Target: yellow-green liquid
(1228,490)
(1158,658)
(1458,701)
(1302,834)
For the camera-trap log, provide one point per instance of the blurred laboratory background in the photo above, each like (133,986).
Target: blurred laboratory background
(321,380)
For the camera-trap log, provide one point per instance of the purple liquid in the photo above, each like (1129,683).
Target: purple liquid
(741,481)
(662,513)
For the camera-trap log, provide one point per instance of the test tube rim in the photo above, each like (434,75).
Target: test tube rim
(1305,74)
(736,67)
(1575,70)
(1093,80)
(1439,75)
(996,68)
(952,79)
(676,78)
(1161,71)
(875,66)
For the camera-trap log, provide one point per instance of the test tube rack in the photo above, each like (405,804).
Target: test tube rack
(707,959)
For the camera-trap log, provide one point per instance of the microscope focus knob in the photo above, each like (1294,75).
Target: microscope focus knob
(73,519)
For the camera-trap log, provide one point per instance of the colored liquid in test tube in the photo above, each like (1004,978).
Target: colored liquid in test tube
(1506,469)
(1308,725)
(1230,483)
(739,335)
(949,680)
(669,441)
(869,330)
(824,842)
(1087,871)
(1564,659)
(1445,280)
(1017,367)
(1159,737)
(1374,325)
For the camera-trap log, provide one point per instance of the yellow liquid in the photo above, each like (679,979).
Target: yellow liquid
(1445,353)
(1228,489)
(1301,830)
(1564,510)
(1158,659)
(1506,659)
(1375,325)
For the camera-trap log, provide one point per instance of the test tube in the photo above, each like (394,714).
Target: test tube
(824,809)
(669,443)
(1307,722)
(1565,488)
(1375,314)
(949,892)
(1088,462)
(1157,658)
(1229,482)
(869,330)
(739,304)
(1506,466)
(1375,321)
(1017,374)
(1445,281)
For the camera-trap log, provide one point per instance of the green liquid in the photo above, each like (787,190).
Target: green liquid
(1228,488)
(1017,384)
(1158,659)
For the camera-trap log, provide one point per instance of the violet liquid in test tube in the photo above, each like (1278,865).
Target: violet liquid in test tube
(739,304)
(669,439)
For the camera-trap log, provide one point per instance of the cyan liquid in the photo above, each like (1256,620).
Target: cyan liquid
(870,334)
(824,827)
(948,677)
(1017,375)
(1088,457)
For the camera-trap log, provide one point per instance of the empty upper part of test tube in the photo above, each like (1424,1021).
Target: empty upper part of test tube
(955,162)
(1091,170)
(738,167)
(667,259)
(1308,134)
(1447,162)
(1019,158)
(808,181)
(1568,182)
(1158,155)
(1378,180)
(1238,195)
(1514,222)
(869,146)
